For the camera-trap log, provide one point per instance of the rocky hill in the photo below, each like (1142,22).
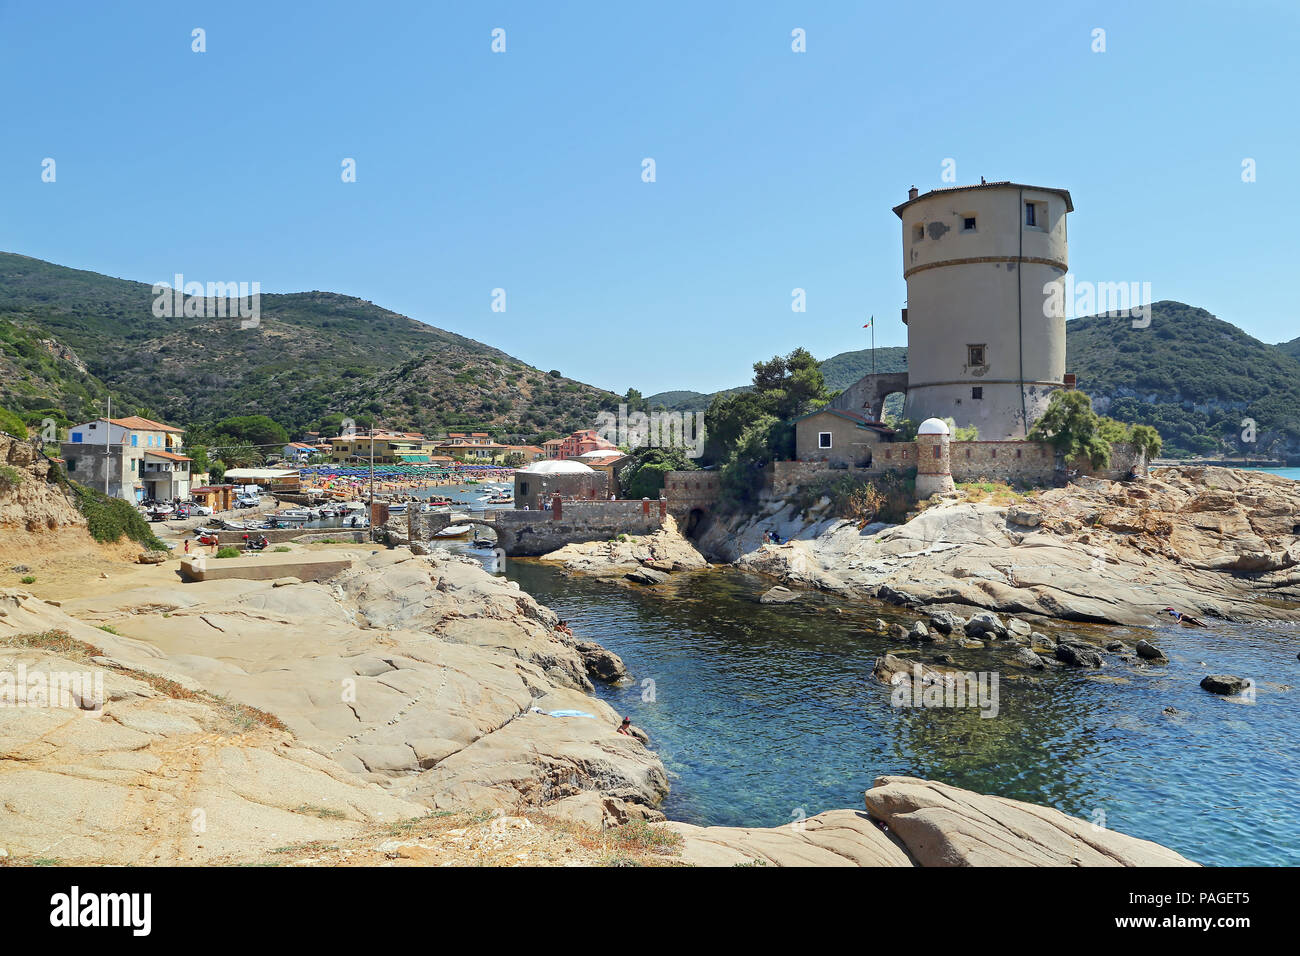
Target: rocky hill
(68,337)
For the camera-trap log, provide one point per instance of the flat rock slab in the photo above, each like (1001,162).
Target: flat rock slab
(833,838)
(266,567)
(947,826)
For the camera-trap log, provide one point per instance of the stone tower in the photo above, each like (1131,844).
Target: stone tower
(985,339)
(933,459)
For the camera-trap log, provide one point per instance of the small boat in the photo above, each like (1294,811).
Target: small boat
(484,543)
(292,514)
(455,531)
(397,509)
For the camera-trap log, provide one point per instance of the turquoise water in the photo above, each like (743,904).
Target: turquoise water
(764,712)
(1284,472)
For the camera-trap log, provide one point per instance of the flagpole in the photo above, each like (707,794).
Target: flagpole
(873,345)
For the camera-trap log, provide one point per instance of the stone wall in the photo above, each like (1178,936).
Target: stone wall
(689,490)
(540,532)
(784,477)
(1013,462)
(1125,460)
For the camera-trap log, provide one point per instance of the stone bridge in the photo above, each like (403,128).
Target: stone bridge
(529,533)
(868,394)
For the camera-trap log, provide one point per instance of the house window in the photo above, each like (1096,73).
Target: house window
(135,441)
(967,223)
(975,355)
(72,464)
(977,392)
(1031,214)
(823,439)
(76,436)
(918,232)
(523,487)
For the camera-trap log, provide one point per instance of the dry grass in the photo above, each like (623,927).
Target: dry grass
(524,837)
(992,492)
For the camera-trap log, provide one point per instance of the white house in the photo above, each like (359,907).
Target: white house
(132,458)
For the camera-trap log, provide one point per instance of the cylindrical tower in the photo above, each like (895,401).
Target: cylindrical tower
(985,315)
(934,460)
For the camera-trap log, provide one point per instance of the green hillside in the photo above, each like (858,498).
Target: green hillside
(1291,348)
(311,354)
(1194,377)
(841,371)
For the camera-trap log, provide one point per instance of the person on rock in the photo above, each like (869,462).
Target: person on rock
(625,728)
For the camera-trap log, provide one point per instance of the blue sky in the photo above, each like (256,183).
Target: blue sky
(522,170)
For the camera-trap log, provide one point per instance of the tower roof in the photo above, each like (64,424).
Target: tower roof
(1005,184)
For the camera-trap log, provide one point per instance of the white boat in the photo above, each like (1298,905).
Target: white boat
(455,531)
(355,521)
(292,514)
(397,509)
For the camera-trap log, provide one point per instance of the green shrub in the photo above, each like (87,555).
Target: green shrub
(11,423)
(29,579)
(884,497)
(280,549)
(108,519)
(10,478)
(228,551)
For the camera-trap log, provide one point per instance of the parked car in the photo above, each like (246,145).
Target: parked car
(247,501)
(196,510)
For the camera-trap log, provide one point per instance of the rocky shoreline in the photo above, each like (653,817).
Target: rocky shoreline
(1212,542)
(300,714)
(245,718)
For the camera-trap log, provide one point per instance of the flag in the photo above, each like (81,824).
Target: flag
(869,321)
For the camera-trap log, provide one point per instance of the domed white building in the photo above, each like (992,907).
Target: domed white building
(541,481)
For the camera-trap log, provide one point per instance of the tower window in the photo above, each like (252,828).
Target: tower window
(975,355)
(977,392)
(823,439)
(918,232)
(968,223)
(1031,215)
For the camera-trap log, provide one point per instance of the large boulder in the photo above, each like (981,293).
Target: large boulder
(941,825)
(647,576)
(1149,652)
(945,622)
(601,663)
(986,623)
(1227,684)
(778,595)
(1078,655)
